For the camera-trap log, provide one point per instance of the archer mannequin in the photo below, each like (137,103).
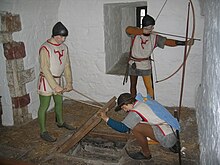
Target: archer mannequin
(143,44)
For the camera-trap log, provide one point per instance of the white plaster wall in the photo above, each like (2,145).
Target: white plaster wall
(88,57)
(173,21)
(37,18)
(7,117)
(86,47)
(85,22)
(208,95)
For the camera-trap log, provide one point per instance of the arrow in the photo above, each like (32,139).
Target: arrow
(173,35)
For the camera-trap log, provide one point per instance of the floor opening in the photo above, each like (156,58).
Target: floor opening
(104,150)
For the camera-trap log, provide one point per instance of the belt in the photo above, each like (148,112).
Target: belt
(139,59)
(42,75)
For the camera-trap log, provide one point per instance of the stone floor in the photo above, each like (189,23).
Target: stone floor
(22,145)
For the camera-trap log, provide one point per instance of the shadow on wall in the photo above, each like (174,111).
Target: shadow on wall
(119,68)
(117,16)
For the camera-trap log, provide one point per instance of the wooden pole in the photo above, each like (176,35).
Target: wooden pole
(85,128)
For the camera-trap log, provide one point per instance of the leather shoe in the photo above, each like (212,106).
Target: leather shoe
(46,136)
(138,155)
(64,125)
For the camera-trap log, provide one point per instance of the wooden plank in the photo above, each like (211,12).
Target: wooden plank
(109,136)
(116,136)
(10,161)
(85,128)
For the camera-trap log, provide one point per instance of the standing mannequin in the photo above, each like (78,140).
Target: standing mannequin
(54,61)
(143,44)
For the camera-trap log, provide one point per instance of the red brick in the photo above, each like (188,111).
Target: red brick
(14,50)
(11,23)
(22,101)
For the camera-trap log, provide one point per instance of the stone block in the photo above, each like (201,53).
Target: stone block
(14,65)
(5,37)
(26,76)
(21,115)
(19,102)
(20,77)
(10,23)
(14,50)
(17,90)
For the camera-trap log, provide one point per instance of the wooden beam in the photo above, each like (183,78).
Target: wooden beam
(10,161)
(116,136)
(110,136)
(85,128)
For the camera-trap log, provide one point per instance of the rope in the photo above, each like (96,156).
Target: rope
(93,105)
(98,106)
(88,97)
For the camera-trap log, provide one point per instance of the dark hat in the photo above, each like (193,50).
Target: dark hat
(59,29)
(124,99)
(147,20)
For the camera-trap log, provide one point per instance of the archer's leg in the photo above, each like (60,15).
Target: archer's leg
(133,85)
(148,85)
(141,131)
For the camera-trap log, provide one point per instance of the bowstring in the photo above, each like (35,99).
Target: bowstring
(160,10)
(154,64)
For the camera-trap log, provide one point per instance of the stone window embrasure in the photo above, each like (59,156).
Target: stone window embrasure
(117,16)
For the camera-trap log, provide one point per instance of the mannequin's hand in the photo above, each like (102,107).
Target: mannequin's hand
(68,88)
(58,89)
(103,116)
(190,42)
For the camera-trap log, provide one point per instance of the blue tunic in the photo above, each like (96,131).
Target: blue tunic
(159,110)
